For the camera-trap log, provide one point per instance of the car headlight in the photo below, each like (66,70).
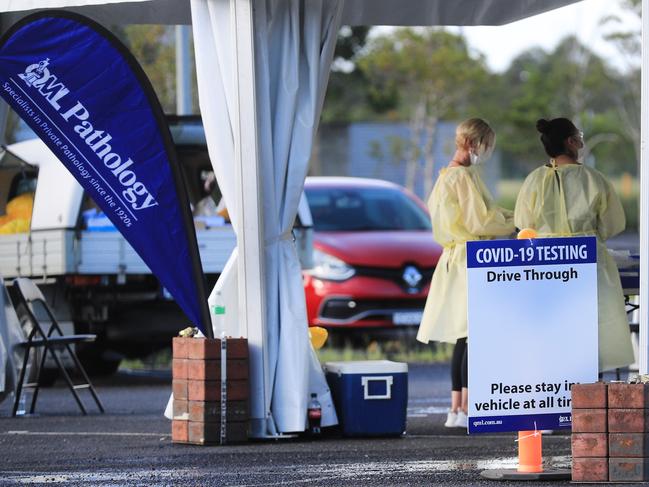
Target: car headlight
(326,266)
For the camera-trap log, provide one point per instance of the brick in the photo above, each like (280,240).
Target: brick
(180,409)
(237,348)
(628,469)
(210,433)
(210,348)
(179,368)
(179,388)
(589,445)
(589,396)
(237,369)
(630,445)
(589,421)
(589,469)
(204,433)
(179,347)
(179,431)
(628,396)
(210,412)
(201,390)
(203,348)
(627,420)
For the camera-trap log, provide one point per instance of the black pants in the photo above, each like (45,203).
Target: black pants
(459,366)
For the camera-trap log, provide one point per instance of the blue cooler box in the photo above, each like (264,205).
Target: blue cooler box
(371,396)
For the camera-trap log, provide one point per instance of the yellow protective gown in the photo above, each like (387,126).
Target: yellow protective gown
(571,200)
(461,209)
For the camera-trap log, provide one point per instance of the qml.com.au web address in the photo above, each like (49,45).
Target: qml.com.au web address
(487,422)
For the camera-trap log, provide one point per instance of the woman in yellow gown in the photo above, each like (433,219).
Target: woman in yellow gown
(461,209)
(565,198)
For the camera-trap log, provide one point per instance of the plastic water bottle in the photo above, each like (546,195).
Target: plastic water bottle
(21,405)
(314,414)
(218,310)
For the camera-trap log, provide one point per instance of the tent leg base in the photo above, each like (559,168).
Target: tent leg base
(513,474)
(264,429)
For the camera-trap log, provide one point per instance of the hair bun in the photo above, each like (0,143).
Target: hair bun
(543,126)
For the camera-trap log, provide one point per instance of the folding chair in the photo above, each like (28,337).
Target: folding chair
(50,340)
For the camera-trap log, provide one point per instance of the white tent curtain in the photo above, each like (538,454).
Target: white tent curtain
(7,367)
(4,115)
(11,355)
(293,49)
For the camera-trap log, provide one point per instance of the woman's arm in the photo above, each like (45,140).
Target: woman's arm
(610,219)
(524,214)
(480,216)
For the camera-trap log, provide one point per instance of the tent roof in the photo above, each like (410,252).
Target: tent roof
(444,12)
(356,12)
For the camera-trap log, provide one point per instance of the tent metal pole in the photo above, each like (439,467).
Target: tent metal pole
(250,234)
(644,196)
(183,71)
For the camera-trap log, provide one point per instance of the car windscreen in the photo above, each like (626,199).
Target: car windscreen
(364,209)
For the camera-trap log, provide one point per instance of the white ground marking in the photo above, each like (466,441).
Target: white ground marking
(81,433)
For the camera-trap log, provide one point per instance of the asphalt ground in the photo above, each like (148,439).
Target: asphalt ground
(131,445)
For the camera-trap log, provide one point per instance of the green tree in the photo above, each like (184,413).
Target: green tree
(153,47)
(346,100)
(570,81)
(432,75)
(628,41)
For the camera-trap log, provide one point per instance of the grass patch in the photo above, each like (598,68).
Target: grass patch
(507,192)
(395,350)
(160,360)
(389,350)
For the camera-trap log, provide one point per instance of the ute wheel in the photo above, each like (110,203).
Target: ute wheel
(97,367)
(97,361)
(48,377)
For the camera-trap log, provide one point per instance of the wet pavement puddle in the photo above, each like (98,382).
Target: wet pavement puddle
(303,473)
(421,408)
(425,411)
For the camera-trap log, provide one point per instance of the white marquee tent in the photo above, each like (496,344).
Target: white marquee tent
(262,68)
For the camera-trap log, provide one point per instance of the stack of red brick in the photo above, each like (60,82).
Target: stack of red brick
(610,432)
(197,391)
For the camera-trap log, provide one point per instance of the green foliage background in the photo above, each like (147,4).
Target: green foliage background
(387,77)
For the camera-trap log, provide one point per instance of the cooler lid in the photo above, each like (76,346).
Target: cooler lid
(366,367)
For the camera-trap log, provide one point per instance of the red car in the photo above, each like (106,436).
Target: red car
(374,254)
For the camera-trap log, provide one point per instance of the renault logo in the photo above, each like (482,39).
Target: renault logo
(412,276)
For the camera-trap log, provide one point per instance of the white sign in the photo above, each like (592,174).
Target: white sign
(532,311)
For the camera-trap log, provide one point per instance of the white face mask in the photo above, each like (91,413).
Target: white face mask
(579,153)
(478,157)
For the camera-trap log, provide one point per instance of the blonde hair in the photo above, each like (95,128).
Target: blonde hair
(476,133)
